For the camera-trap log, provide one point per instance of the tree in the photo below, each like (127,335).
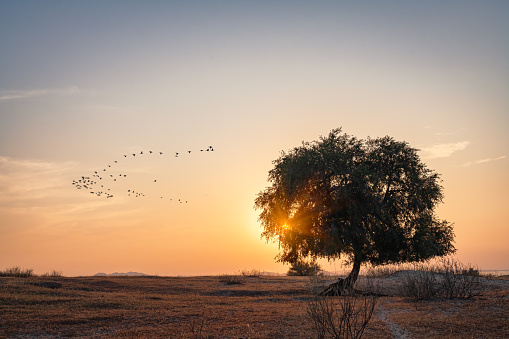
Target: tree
(371,201)
(304,268)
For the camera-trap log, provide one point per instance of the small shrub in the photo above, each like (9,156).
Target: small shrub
(343,316)
(304,268)
(17,272)
(339,316)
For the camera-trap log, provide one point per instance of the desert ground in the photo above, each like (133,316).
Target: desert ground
(212,307)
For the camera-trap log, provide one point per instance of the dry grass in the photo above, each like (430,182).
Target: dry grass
(203,307)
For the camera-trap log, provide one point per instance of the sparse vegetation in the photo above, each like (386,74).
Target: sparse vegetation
(382,271)
(53,273)
(17,272)
(341,316)
(421,283)
(252,273)
(194,307)
(449,278)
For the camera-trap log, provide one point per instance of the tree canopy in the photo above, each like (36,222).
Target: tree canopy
(368,200)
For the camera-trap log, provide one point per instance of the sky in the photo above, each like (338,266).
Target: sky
(83,83)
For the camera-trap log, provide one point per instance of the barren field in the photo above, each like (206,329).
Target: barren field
(207,307)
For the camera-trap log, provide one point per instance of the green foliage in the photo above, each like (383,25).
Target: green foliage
(370,200)
(304,268)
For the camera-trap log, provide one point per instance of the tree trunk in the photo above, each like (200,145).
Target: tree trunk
(344,286)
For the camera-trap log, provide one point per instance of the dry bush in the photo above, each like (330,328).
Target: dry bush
(252,274)
(458,281)
(421,284)
(17,272)
(449,278)
(343,316)
(381,271)
(53,273)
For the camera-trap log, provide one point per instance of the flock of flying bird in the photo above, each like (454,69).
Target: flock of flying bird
(98,183)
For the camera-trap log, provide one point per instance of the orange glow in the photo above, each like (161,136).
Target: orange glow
(250,91)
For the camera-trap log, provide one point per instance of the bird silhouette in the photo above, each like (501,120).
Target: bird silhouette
(89,184)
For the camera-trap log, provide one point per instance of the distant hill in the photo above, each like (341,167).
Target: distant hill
(117,274)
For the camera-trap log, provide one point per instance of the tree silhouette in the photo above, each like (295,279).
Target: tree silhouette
(371,201)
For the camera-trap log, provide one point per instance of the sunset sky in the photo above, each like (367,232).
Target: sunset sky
(83,83)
